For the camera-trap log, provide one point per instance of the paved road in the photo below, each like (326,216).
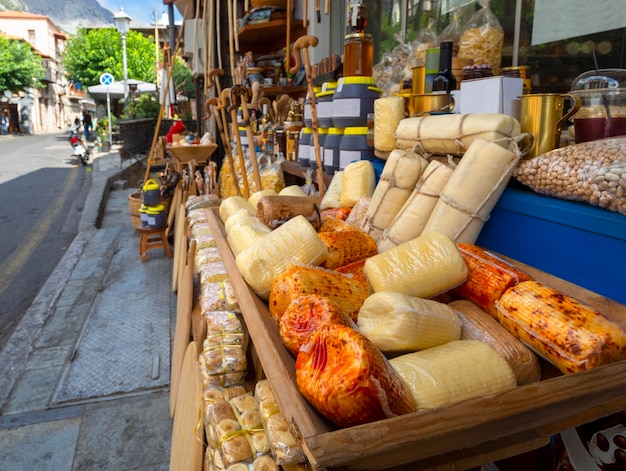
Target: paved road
(42,191)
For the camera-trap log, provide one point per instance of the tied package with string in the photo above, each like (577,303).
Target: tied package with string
(453,133)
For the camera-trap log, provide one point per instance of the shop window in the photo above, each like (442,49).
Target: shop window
(543,43)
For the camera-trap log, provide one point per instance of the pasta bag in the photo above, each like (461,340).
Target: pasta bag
(482,38)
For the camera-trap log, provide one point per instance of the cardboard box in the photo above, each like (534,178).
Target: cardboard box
(492,95)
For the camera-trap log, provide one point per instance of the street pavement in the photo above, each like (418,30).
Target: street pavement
(85,376)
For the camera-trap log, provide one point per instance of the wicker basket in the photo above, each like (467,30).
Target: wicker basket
(268,3)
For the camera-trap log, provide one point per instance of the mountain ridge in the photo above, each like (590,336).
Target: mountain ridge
(67,15)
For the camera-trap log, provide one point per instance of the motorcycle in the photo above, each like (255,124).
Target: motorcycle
(79,149)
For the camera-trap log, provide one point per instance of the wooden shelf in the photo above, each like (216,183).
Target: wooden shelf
(271,36)
(291,90)
(459,436)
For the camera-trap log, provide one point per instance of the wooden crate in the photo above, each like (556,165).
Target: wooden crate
(459,436)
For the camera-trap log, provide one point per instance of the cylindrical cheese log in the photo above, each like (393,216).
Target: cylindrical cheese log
(257,195)
(472,191)
(479,325)
(459,370)
(296,241)
(413,216)
(346,378)
(424,267)
(453,133)
(244,233)
(275,210)
(388,112)
(332,196)
(401,172)
(232,204)
(292,190)
(358,181)
(399,323)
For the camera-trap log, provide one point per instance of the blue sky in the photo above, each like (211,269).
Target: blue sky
(140,12)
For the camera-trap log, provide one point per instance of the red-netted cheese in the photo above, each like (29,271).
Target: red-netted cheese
(305,315)
(348,380)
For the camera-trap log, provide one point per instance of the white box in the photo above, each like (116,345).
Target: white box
(492,95)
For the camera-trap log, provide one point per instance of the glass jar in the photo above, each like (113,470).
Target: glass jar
(358,55)
(477,71)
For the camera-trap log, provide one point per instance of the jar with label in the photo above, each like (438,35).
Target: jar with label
(331,150)
(324,104)
(520,71)
(322,133)
(354,146)
(353,100)
(305,146)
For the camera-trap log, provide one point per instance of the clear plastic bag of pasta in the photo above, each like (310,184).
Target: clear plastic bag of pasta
(482,38)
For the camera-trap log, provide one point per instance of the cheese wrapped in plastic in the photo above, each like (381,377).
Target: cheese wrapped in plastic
(424,267)
(245,232)
(284,446)
(453,372)
(401,172)
(396,322)
(296,241)
(570,335)
(358,181)
(304,316)
(388,112)
(232,204)
(332,196)
(257,195)
(348,380)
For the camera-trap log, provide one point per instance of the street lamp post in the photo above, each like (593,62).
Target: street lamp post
(122,23)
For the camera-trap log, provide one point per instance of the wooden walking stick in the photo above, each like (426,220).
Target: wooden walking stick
(303,44)
(215,103)
(239,93)
(242,160)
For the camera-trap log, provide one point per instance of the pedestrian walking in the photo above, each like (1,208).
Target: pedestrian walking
(87,124)
(4,122)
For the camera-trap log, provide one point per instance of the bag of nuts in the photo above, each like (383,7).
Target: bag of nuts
(594,172)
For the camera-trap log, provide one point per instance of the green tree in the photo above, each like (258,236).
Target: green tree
(20,67)
(183,78)
(92,52)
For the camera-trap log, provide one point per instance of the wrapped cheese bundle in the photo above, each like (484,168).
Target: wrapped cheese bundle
(299,280)
(332,196)
(459,370)
(571,336)
(487,279)
(424,267)
(296,241)
(336,213)
(283,444)
(399,176)
(357,215)
(330,224)
(223,357)
(479,325)
(354,384)
(236,217)
(235,432)
(304,316)
(412,217)
(396,322)
(358,181)
(232,204)
(472,191)
(388,112)
(453,133)
(218,296)
(346,247)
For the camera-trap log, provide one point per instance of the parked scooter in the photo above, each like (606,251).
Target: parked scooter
(79,149)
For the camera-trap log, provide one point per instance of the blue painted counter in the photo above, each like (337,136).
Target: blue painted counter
(575,241)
